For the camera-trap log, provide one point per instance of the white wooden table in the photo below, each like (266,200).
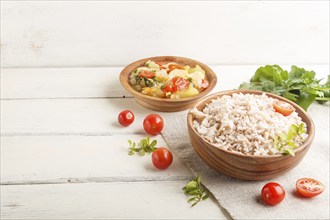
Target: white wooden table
(63,154)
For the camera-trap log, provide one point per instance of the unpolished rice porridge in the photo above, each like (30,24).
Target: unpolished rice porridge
(244,123)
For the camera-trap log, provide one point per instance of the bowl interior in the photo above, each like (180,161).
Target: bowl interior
(301,112)
(124,76)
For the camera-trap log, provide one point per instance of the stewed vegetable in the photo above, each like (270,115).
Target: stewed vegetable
(169,80)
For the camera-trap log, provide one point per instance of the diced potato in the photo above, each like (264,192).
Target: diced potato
(162,75)
(187,68)
(190,91)
(152,91)
(153,65)
(132,80)
(197,68)
(197,78)
(142,68)
(177,72)
(175,96)
(197,75)
(137,88)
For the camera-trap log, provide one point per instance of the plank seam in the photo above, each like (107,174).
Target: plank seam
(95,180)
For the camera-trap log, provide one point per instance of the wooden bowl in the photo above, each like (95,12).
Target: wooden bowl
(165,104)
(245,166)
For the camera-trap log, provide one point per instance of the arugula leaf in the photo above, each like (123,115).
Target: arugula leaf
(144,146)
(195,190)
(298,85)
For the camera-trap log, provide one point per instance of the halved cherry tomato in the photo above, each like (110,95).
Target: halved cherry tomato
(205,84)
(153,124)
(283,108)
(308,187)
(146,74)
(173,66)
(180,82)
(272,193)
(162,158)
(126,118)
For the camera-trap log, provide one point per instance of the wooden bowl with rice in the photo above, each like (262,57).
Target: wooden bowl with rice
(166,104)
(256,162)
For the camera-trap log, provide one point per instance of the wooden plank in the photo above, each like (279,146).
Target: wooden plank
(143,200)
(62,159)
(117,33)
(70,116)
(102,82)
(61,83)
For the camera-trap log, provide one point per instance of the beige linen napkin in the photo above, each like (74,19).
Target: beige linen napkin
(242,198)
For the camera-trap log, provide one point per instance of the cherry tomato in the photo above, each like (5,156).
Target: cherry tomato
(173,66)
(146,74)
(283,108)
(308,187)
(205,84)
(153,124)
(272,193)
(126,118)
(162,158)
(180,83)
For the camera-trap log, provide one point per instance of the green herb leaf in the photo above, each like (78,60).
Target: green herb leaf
(191,185)
(289,151)
(292,133)
(305,99)
(195,190)
(144,146)
(286,144)
(205,197)
(298,85)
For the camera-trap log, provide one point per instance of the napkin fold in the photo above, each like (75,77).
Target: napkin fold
(242,198)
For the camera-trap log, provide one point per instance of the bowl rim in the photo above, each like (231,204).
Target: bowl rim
(306,143)
(130,67)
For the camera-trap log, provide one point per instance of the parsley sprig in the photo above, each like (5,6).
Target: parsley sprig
(285,142)
(195,190)
(144,146)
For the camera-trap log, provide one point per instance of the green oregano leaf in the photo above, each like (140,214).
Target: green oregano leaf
(144,146)
(195,190)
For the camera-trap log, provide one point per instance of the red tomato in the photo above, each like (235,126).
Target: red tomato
(174,66)
(283,108)
(153,124)
(308,187)
(272,193)
(170,88)
(205,84)
(180,83)
(126,118)
(162,158)
(146,74)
